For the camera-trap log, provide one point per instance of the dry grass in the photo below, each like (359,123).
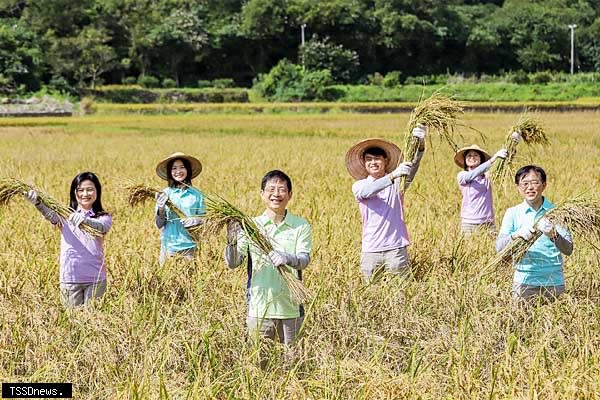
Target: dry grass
(179,331)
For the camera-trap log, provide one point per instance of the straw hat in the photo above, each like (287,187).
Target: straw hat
(161,168)
(354,157)
(459,157)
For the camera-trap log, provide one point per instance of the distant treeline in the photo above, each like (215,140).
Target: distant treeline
(67,44)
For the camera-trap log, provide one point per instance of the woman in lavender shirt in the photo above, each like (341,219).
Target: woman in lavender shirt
(477,209)
(82,267)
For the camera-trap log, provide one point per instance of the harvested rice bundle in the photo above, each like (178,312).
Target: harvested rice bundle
(220,212)
(532,133)
(10,187)
(140,193)
(436,112)
(580,215)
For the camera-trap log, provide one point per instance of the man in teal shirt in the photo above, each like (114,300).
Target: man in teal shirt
(540,271)
(271,311)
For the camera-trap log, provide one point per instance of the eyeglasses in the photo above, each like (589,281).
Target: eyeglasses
(526,184)
(272,190)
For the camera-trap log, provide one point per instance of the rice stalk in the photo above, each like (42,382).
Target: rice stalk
(11,187)
(437,112)
(220,213)
(581,216)
(140,193)
(532,133)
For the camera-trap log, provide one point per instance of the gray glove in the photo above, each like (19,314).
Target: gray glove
(233,230)
(32,197)
(191,221)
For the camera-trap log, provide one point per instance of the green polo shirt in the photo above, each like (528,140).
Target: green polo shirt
(267,293)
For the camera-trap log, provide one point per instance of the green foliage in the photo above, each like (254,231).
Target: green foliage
(223,83)
(88,42)
(130,80)
(169,83)
(326,55)
(392,79)
(148,81)
(137,95)
(204,84)
(290,82)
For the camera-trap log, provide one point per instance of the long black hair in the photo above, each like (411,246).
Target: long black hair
(188,167)
(87,176)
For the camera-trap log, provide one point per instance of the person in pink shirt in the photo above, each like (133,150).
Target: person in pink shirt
(374,163)
(477,209)
(82,267)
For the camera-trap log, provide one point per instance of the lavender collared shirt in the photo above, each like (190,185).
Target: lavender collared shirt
(382,211)
(477,201)
(82,257)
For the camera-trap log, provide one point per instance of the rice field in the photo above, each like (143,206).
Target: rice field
(451,331)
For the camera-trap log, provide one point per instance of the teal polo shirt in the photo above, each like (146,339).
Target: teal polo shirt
(267,293)
(542,265)
(174,237)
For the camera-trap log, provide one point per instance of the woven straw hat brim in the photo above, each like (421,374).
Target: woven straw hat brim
(196,165)
(354,157)
(459,157)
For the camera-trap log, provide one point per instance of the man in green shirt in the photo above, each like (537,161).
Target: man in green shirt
(271,312)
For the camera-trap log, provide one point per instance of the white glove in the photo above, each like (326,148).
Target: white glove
(525,232)
(545,226)
(161,200)
(502,153)
(402,170)
(420,132)
(191,221)
(76,219)
(278,258)
(32,197)
(516,136)
(233,229)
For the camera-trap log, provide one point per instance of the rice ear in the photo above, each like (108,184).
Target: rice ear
(532,133)
(438,113)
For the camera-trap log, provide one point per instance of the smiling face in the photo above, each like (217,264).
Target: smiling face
(531,187)
(375,165)
(178,171)
(472,159)
(86,194)
(276,195)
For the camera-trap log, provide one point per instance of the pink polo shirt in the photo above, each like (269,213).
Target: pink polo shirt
(477,203)
(82,257)
(382,213)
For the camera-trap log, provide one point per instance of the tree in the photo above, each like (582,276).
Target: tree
(323,54)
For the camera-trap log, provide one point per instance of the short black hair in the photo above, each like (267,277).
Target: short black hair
(374,151)
(276,174)
(188,167)
(527,169)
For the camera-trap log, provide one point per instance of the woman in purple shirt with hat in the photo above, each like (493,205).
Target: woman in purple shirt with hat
(477,209)
(82,267)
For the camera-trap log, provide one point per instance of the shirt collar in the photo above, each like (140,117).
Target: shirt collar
(88,213)
(268,221)
(546,205)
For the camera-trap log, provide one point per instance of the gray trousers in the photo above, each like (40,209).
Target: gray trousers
(187,255)
(393,261)
(468,229)
(286,330)
(76,294)
(526,292)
